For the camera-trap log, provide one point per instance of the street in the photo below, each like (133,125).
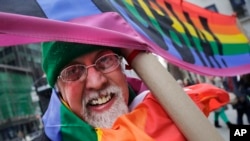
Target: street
(224,131)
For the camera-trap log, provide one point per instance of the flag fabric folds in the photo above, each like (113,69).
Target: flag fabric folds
(185,35)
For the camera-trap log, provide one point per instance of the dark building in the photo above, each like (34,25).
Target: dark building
(25,56)
(239,7)
(20,67)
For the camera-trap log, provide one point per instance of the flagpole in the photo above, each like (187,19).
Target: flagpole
(187,116)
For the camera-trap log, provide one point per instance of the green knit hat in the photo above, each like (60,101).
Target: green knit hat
(56,55)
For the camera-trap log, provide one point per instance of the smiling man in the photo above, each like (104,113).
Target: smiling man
(94,87)
(93,99)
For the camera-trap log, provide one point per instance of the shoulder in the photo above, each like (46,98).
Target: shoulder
(138,99)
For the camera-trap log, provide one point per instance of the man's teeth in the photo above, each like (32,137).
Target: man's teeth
(100,100)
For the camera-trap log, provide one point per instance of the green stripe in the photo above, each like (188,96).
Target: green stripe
(227,49)
(75,129)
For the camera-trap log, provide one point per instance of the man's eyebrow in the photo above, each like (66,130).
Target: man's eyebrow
(99,54)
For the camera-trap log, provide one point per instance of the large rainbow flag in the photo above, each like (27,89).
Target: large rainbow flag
(184,34)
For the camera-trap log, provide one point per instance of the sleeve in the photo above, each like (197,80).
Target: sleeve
(207,97)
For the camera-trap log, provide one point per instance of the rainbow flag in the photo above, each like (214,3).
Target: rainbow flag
(184,34)
(61,124)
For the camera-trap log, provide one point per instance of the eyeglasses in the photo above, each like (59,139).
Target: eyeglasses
(105,64)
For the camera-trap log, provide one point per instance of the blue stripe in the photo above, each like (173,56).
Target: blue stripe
(65,10)
(51,118)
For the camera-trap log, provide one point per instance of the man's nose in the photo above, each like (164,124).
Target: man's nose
(95,79)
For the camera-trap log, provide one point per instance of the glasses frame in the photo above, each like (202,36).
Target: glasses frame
(119,60)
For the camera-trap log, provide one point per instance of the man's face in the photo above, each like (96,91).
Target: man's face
(99,98)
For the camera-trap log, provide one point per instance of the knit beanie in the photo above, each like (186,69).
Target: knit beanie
(56,55)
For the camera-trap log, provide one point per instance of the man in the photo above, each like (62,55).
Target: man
(93,100)
(242,105)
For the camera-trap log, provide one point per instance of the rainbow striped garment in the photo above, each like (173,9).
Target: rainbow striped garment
(146,121)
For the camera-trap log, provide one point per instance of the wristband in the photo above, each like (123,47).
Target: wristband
(131,57)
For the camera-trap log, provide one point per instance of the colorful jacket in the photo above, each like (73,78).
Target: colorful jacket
(147,120)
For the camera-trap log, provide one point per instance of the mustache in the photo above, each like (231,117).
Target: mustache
(107,118)
(108,90)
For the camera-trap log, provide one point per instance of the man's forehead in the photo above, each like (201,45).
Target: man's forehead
(97,53)
(93,56)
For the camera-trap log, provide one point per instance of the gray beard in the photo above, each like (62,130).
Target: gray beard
(107,118)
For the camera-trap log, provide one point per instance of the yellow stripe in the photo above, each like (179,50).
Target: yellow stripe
(99,133)
(146,8)
(130,2)
(65,103)
(224,38)
(227,39)
(177,25)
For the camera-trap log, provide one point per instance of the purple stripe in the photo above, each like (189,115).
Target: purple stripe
(52,125)
(103,29)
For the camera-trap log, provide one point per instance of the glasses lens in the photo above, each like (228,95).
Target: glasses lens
(73,73)
(107,63)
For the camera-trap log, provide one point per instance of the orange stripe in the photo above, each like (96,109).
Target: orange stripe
(219,24)
(226,29)
(128,127)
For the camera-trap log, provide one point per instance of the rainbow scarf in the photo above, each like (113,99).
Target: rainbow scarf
(146,121)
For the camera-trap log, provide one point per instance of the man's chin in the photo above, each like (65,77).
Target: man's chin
(107,118)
